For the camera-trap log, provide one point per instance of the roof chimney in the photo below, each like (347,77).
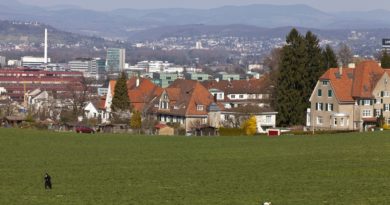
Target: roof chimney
(340,69)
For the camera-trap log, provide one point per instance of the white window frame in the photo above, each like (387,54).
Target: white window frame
(320,120)
(367,102)
(199,107)
(342,121)
(325,82)
(367,113)
(330,107)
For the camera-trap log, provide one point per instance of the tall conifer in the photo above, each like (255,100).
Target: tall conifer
(120,101)
(289,97)
(330,58)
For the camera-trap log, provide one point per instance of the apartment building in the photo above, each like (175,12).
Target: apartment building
(350,98)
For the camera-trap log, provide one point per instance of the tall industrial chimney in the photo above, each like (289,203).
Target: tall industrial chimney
(45,57)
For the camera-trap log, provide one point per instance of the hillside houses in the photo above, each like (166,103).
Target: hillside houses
(350,98)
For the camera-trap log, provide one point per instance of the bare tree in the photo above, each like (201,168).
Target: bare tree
(345,54)
(80,92)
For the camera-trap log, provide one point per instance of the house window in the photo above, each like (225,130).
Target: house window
(386,107)
(320,120)
(377,113)
(367,113)
(165,96)
(199,107)
(320,106)
(241,96)
(319,93)
(233,96)
(335,122)
(268,119)
(367,102)
(330,93)
(330,107)
(325,82)
(220,96)
(342,122)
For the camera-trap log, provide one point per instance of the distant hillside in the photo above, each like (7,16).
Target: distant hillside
(123,23)
(33,33)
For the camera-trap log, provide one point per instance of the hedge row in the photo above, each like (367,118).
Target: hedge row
(231,131)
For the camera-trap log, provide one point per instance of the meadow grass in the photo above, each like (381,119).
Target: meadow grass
(105,169)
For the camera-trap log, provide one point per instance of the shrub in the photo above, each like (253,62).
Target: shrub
(386,126)
(250,126)
(231,131)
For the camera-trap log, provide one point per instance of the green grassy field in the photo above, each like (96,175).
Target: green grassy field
(120,169)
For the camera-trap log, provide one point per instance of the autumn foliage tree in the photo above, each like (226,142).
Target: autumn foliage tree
(250,126)
(135,120)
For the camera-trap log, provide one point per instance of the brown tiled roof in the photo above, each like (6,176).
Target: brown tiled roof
(251,86)
(184,97)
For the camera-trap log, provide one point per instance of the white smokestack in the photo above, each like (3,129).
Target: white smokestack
(45,57)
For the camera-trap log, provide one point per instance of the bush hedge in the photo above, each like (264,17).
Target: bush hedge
(231,131)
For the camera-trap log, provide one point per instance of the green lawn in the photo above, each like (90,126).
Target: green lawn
(120,169)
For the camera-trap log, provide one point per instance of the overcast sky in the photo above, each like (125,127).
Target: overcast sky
(325,5)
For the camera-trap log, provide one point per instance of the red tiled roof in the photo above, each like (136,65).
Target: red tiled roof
(354,82)
(140,95)
(367,74)
(342,85)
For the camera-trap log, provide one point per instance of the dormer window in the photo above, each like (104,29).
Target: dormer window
(199,107)
(325,82)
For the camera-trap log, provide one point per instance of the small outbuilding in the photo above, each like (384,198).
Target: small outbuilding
(162,129)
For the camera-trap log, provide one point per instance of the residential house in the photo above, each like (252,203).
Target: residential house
(140,91)
(265,117)
(38,99)
(237,93)
(188,103)
(350,98)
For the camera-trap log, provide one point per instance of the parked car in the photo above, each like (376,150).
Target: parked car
(84,129)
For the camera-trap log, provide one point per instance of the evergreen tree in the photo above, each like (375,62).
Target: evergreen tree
(385,60)
(289,101)
(329,58)
(120,101)
(314,66)
(302,63)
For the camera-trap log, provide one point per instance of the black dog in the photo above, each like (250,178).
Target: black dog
(47,181)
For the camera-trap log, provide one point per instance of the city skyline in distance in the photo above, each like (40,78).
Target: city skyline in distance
(103,5)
